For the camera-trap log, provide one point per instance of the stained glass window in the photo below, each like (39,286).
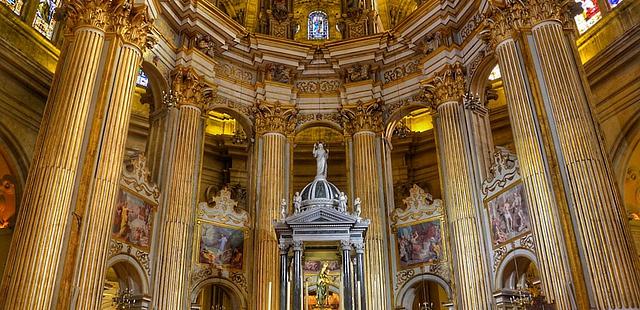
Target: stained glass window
(44,22)
(589,16)
(142,79)
(14,5)
(318,26)
(613,3)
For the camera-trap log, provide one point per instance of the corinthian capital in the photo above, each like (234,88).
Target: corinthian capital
(447,85)
(187,88)
(274,117)
(132,23)
(363,116)
(89,13)
(504,18)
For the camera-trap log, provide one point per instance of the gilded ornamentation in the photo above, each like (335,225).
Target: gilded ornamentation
(362,117)
(358,72)
(136,176)
(418,206)
(240,280)
(234,73)
(435,40)
(472,102)
(334,117)
(447,85)
(401,71)
(143,258)
(503,170)
(85,13)
(322,86)
(205,44)
(473,24)
(274,117)
(187,88)
(280,73)
(403,276)
(222,209)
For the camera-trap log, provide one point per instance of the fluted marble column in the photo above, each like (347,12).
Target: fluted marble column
(173,262)
(549,104)
(101,201)
(36,253)
(365,121)
(345,249)
(461,193)
(273,121)
(601,227)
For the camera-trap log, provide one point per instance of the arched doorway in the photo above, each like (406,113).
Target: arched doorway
(217,294)
(425,291)
(125,286)
(518,281)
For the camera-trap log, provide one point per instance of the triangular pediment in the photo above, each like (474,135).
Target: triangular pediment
(320,215)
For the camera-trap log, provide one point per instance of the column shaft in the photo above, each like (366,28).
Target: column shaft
(598,212)
(272,190)
(546,220)
(284,275)
(360,277)
(367,182)
(174,251)
(89,274)
(346,278)
(297,278)
(31,276)
(469,255)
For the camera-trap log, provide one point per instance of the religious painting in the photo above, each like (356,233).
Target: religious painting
(314,266)
(132,220)
(508,214)
(420,243)
(221,246)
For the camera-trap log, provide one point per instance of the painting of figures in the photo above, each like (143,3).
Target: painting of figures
(420,243)
(314,266)
(221,246)
(132,220)
(509,215)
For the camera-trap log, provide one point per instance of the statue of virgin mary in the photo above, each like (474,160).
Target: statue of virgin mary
(322,155)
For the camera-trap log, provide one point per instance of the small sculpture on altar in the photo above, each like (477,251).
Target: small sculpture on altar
(322,155)
(322,285)
(342,202)
(283,209)
(357,208)
(297,202)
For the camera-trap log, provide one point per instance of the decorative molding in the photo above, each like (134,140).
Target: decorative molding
(274,117)
(447,85)
(319,86)
(357,73)
(205,44)
(223,210)
(401,71)
(136,177)
(403,276)
(435,40)
(503,171)
(498,254)
(419,206)
(334,117)
(235,73)
(475,22)
(140,256)
(187,88)
(362,117)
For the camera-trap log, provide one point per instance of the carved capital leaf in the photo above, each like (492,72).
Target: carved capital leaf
(274,117)
(447,85)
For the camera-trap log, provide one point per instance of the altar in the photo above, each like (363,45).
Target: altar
(321,247)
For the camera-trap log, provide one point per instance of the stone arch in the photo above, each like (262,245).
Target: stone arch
(130,273)
(319,123)
(238,298)
(622,148)
(400,113)
(479,78)
(506,261)
(157,84)
(243,119)
(12,151)
(405,296)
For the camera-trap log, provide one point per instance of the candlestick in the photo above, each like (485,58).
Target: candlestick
(269,297)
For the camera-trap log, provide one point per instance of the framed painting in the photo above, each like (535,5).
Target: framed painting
(420,243)
(222,246)
(508,214)
(133,220)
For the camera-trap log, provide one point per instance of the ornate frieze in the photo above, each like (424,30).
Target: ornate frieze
(447,85)
(334,117)
(358,72)
(362,117)
(474,23)
(279,73)
(132,22)
(401,71)
(187,88)
(235,73)
(321,86)
(274,117)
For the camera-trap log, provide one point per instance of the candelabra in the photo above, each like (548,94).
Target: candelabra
(522,299)
(124,299)
(425,305)
(239,137)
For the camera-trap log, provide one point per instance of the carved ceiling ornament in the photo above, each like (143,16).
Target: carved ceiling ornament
(132,23)
(223,210)
(363,116)
(274,117)
(187,88)
(506,17)
(447,85)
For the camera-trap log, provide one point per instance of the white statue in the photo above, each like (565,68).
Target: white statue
(342,202)
(321,154)
(283,209)
(297,202)
(356,207)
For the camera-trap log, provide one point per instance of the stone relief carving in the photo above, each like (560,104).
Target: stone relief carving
(503,170)
(235,73)
(205,44)
(358,72)
(279,73)
(323,86)
(435,40)
(418,206)
(136,176)
(222,209)
(401,71)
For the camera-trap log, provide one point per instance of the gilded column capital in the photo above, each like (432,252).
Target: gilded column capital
(186,89)
(446,86)
(363,116)
(88,13)
(133,23)
(274,118)
(505,18)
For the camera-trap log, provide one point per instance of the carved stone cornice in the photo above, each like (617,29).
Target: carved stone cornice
(187,90)
(505,18)
(274,117)
(364,116)
(131,22)
(447,85)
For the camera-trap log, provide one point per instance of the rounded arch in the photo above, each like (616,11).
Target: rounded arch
(157,84)
(399,114)
(130,273)
(318,123)
(238,299)
(622,148)
(506,262)
(405,295)
(12,151)
(480,78)
(242,119)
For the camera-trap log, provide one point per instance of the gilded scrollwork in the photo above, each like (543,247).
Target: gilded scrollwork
(321,86)
(401,71)
(136,176)
(503,171)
